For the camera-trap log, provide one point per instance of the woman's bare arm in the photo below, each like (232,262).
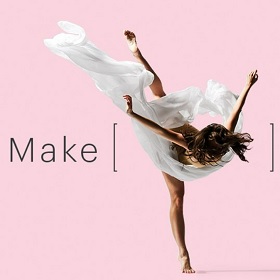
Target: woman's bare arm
(233,118)
(163,132)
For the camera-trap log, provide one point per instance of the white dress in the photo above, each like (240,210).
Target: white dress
(116,78)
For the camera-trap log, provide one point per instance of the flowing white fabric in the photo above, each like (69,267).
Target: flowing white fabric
(116,78)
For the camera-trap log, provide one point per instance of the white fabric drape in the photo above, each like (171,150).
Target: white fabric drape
(116,78)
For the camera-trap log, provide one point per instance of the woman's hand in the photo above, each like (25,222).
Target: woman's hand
(252,77)
(234,115)
(128,104)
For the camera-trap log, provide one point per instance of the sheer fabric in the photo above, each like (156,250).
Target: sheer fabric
(116,78)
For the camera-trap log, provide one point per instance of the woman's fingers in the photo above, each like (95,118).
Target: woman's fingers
(128,103)
(255,75)
(252,77)
(127,98)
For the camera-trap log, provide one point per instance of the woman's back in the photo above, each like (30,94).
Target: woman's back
(183,157)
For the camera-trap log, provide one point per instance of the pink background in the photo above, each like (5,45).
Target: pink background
(82,220)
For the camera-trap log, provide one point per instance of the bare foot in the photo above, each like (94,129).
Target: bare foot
(131,42)
(185,265)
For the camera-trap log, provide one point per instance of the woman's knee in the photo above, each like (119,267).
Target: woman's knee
(157,88)
(177,200)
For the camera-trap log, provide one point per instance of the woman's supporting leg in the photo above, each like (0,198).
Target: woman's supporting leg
(156,86)
(177,190)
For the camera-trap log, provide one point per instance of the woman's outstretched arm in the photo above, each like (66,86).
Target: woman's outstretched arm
(233,118)
(163,132)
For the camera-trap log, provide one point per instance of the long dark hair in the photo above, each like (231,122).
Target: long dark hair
(212,142)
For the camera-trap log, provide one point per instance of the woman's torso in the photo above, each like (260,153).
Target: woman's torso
(182,153)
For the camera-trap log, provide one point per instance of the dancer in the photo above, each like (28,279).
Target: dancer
(212,142)
(162,126)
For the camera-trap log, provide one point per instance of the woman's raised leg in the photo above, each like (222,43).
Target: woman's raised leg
(156,86)
(177,190)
